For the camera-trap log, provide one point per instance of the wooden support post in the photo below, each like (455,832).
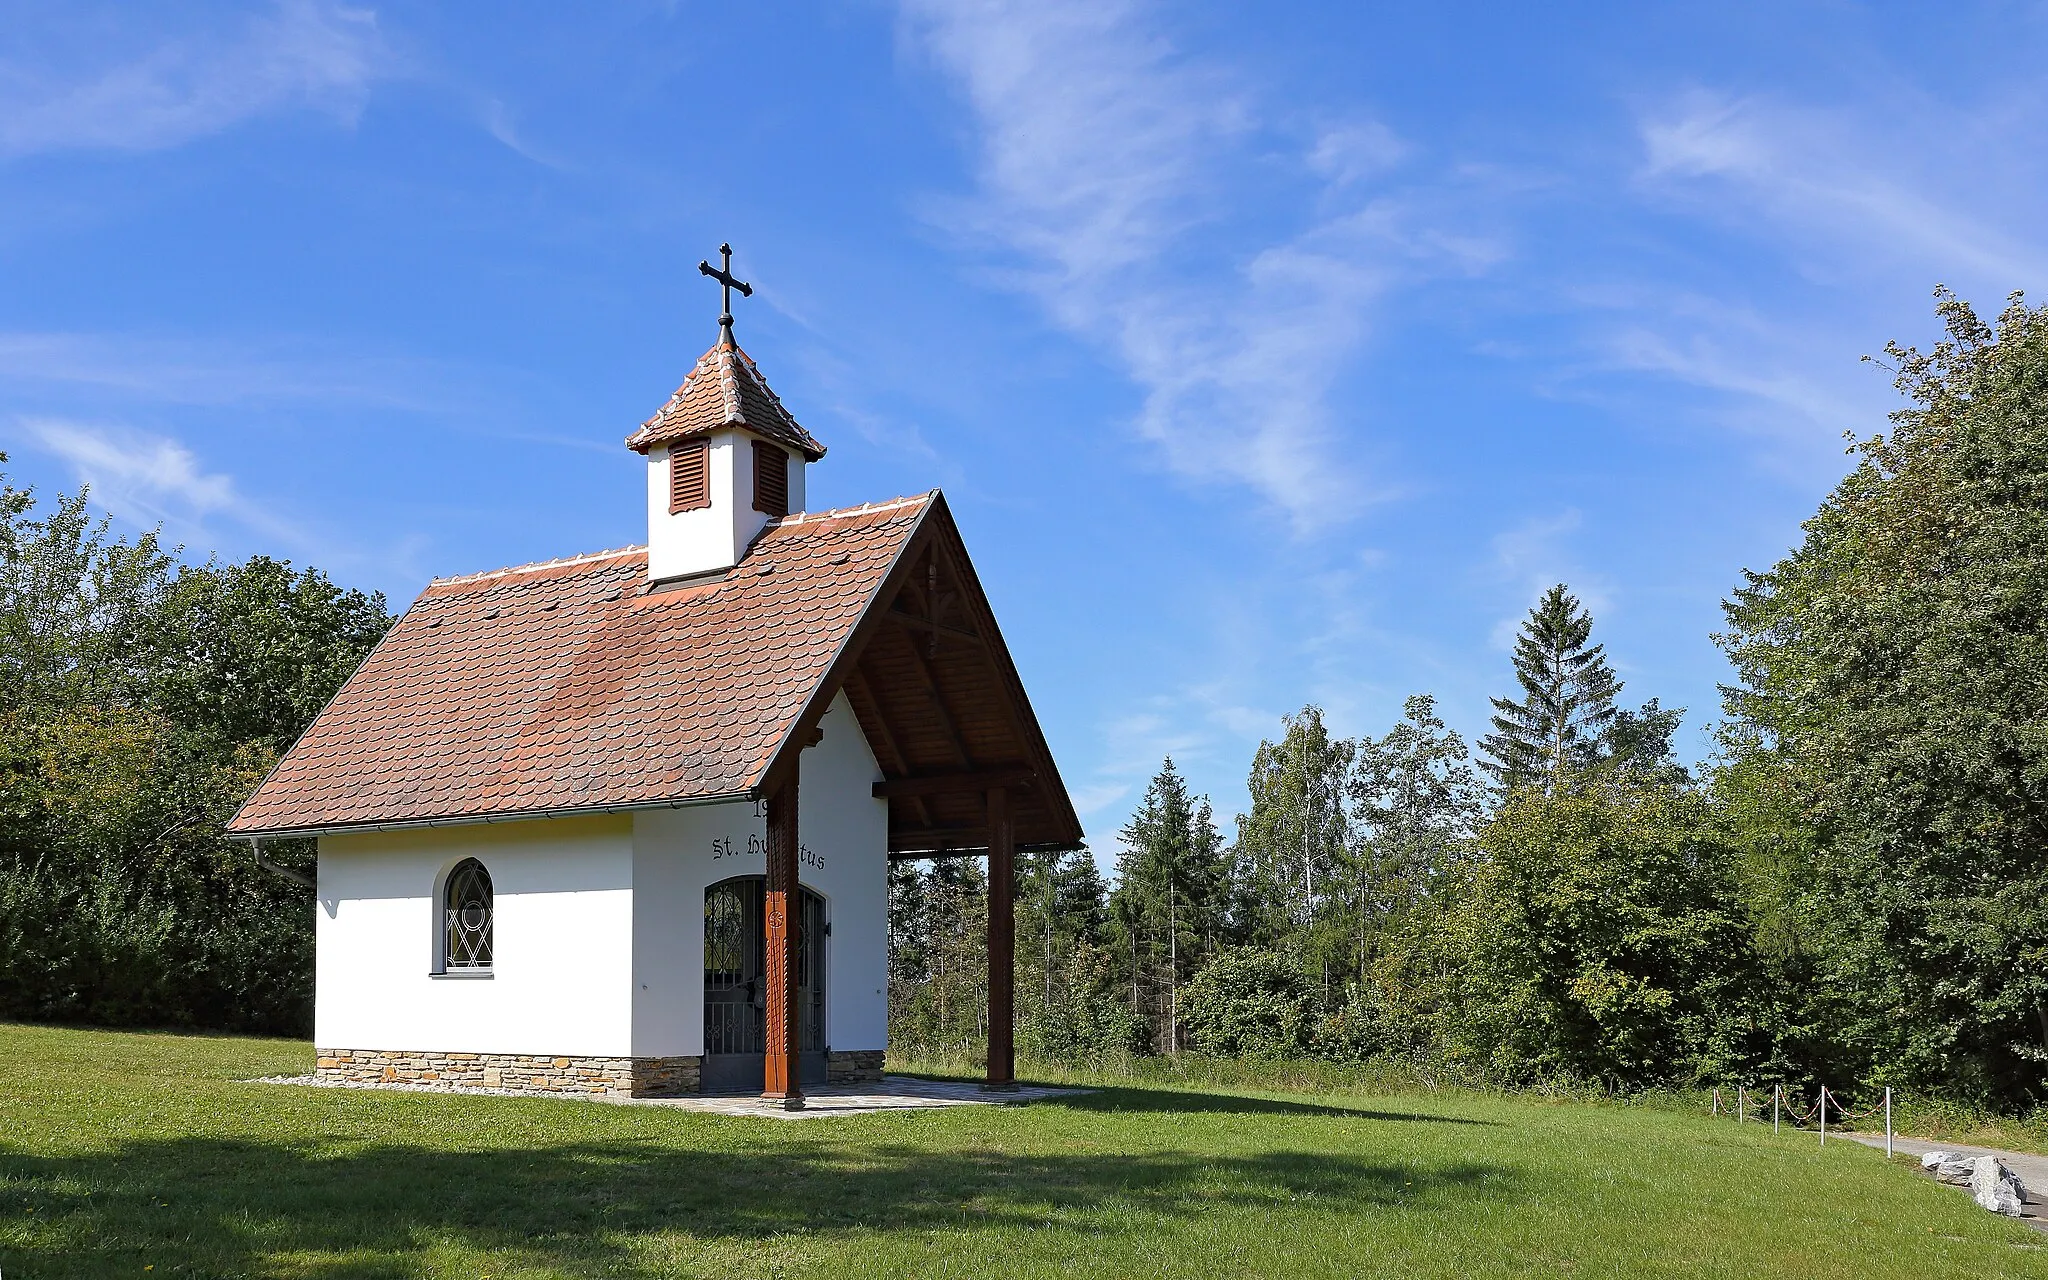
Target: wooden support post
(1002,942)
(780,1083)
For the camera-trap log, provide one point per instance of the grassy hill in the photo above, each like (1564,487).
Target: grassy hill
(124,1154)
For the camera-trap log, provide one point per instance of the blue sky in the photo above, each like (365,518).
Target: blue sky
(1267,354)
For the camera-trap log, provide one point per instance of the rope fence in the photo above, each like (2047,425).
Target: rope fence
(1783,1104)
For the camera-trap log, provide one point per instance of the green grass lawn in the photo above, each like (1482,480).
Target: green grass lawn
(139,1155)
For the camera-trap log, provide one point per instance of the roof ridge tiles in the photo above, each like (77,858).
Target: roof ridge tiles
(537,565)
(840,513)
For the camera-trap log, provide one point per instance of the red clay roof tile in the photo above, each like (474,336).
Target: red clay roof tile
(570,685)
(726,389)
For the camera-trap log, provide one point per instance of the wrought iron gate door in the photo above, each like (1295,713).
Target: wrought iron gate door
(735,996)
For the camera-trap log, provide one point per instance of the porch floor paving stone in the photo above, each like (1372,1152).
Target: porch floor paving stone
(895,1093)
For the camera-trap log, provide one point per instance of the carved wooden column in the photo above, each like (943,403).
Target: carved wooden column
(1002,942)
(781,1082)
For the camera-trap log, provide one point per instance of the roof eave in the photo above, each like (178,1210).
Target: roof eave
(812,451)
(482,819)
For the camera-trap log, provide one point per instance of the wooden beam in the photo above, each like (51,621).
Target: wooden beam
(922,855)
(913,584)
(944,713)
(1002,943)
(981,850)
(857,682)
(1016,706)
(780,1083)
(915,623)
(940,784)
(948,838)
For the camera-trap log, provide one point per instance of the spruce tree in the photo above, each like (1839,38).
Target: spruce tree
(1567,702)
(1171,885)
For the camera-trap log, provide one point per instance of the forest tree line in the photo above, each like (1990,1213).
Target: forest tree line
(141,701)
(1852,888)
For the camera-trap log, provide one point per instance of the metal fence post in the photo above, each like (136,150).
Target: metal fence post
(1777,1092)
(1741,1104)
(1887,1122)
(1823,1109)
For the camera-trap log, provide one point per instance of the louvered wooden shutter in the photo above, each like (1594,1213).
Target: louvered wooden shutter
(689,475)
(771,479)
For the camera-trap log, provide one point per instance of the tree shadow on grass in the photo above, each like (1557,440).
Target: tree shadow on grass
(1136,1098)
(1125,1098)
(197,1206)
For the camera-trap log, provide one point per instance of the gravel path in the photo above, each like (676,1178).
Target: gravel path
(2032,1169)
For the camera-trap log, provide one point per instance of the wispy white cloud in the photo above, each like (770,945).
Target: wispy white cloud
(1106,164)
(301,53)
(1840,216)
(154,481)
(499,120)
(1355,150)
(1728,359)
(1922,186)
(151,480)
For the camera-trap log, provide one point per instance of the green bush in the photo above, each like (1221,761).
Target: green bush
(1084,1027)
(1249,1003)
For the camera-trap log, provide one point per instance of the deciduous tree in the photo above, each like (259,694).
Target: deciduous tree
(1892,697)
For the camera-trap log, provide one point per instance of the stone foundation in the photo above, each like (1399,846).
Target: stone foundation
(528,1073)
(853,1066)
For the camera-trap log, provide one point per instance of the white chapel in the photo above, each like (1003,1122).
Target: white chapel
(621,823)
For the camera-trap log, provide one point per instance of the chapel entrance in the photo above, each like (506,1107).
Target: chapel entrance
(736,996)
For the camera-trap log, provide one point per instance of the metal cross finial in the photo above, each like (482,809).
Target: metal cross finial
(723,274)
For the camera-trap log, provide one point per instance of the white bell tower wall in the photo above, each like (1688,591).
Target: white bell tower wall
(714,537)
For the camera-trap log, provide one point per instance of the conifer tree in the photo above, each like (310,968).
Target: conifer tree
(1171,885)
(1567,702)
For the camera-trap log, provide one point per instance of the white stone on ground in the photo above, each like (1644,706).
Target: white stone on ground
(1996,1187)
(1952,1167)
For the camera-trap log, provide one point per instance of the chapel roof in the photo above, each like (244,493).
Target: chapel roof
(726,389)
(574,686)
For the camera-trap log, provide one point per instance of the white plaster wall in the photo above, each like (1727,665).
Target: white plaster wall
(678,853)
(845,832)
(562,940)
(713,537)
(671,866)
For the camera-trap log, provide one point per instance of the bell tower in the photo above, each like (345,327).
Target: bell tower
(723,456)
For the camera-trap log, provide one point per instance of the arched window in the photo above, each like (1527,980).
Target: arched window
(466,916)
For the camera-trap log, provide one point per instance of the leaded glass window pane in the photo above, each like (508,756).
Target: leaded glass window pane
(467,909)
